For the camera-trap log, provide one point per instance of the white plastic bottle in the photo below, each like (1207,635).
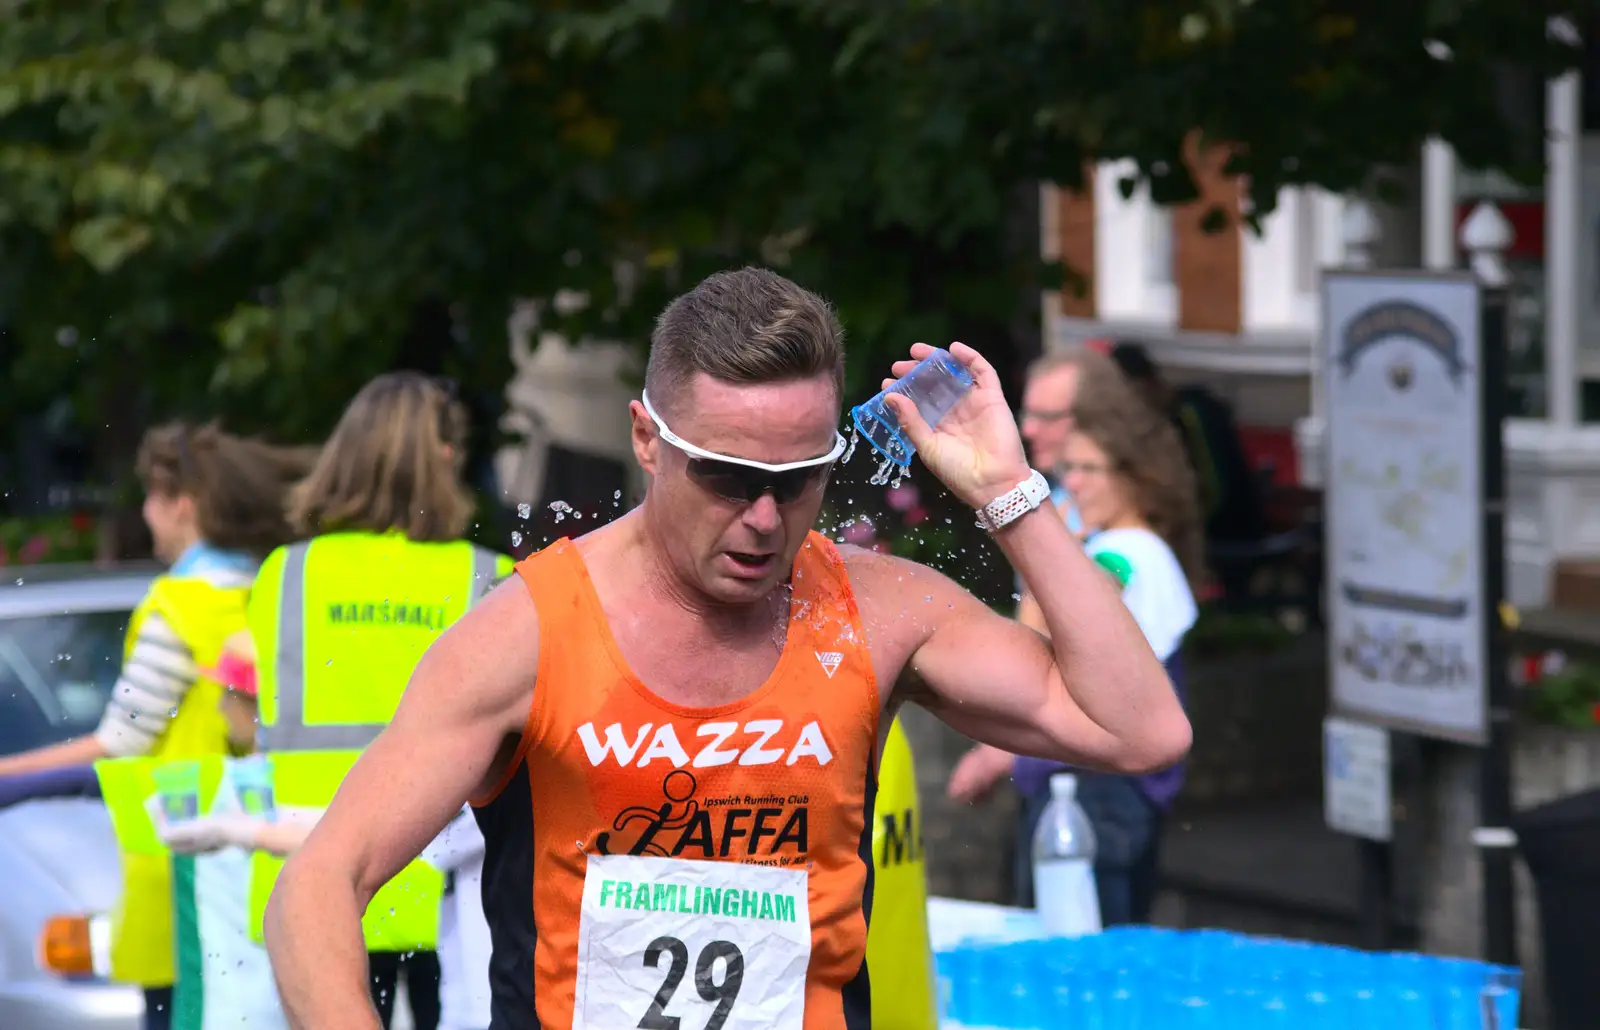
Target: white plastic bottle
(1063,864)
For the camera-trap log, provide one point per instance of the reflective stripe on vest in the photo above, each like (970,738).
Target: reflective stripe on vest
(316,721)
(289,732)
(203,615)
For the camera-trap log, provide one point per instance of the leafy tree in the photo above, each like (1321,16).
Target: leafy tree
(253,205)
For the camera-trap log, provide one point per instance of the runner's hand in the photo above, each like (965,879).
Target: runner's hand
(978,773)
(976,450)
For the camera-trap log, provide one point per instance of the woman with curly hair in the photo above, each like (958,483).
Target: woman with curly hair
(1126,469)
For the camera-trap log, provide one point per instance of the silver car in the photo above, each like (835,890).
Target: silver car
(61,638)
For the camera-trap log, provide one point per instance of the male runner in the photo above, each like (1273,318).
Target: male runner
(710,659)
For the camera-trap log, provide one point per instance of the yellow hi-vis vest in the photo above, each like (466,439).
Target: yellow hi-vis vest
(203,616)
(339,624)
(899,951)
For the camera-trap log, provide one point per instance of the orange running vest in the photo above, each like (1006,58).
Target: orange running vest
(700,867)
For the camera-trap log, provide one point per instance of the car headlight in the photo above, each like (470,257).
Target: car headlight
(76,947)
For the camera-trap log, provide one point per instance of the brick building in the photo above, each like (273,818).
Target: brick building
(1231,309)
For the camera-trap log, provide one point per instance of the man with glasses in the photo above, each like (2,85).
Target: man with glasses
(1045,420)
(671,725)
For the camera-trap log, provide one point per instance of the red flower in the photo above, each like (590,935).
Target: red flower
(82,522)
(34,550)
(859,531)
(901,498)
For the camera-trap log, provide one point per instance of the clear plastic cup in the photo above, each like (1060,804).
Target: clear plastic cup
(252,782)
(178,786)
(935,385)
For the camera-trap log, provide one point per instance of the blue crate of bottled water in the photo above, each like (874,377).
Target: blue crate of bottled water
(1147,978)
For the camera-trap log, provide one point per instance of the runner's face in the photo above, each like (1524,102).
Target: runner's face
(733,529)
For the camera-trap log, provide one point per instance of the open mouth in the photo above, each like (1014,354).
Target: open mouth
(750,562)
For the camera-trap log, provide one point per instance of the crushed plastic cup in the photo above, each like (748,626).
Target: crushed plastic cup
(178,786)
(935,385)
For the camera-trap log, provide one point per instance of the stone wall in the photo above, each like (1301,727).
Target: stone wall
(1257,722)
(1547,763)
(967,848)
(1258,737)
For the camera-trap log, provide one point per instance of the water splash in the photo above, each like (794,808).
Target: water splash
(886,469)
(850,451)
(562,510)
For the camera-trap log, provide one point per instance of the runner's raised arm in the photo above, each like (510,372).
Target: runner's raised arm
(1093,693)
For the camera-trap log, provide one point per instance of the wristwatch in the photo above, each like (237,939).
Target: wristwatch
(1014,503)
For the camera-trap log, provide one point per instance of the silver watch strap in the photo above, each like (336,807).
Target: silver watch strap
(1014,503)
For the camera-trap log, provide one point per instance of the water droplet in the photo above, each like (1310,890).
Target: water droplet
(516,538)
(524,511)
(562,509)
(855,438)
(886,468)
(172,713)
(616,495)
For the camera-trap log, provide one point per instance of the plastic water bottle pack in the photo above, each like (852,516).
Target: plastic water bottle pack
(1146,978)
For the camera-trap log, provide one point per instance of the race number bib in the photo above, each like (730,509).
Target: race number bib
(666,944)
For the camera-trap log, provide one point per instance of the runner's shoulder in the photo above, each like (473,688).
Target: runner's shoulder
(495,644)
(901,600)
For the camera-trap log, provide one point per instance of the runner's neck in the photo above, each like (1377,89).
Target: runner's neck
(644,570)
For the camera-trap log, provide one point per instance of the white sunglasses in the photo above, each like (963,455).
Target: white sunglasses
(745,480)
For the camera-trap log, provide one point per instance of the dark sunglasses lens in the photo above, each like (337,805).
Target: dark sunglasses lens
(745,485)
(730,482)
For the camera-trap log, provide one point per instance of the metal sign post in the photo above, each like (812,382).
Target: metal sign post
(1494,837)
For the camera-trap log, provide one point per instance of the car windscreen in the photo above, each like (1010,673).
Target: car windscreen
(56,672)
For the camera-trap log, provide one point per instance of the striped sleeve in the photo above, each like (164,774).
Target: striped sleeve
(155,677)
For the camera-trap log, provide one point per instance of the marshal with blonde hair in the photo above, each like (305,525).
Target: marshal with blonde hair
(394,462)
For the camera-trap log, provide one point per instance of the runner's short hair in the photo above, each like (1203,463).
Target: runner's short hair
(743,327)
